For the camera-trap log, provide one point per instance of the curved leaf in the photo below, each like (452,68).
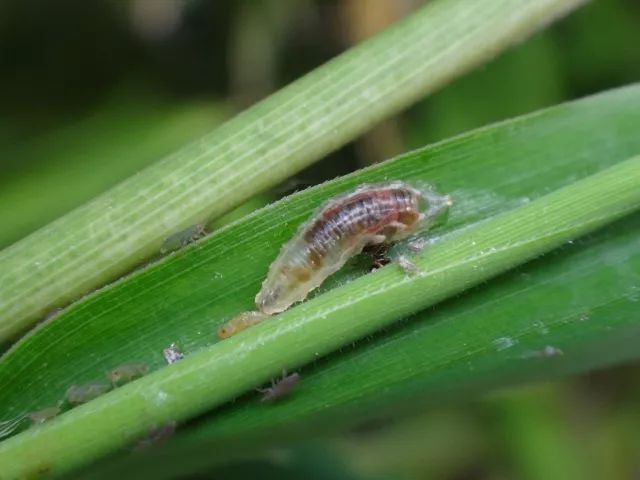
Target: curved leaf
(118,323)
(264,145)
(565,313)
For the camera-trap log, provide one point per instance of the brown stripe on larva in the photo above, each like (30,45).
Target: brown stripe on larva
(363,212)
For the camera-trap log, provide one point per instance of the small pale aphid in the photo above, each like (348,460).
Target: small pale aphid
(416,245)
(183,238)
(551,351)
(280,388)
(172,354)
(78,394)
(340,229)
(547,352)
(240,322)
(407,265)
(52,313)
(156,436)
(43,415)
(127,372)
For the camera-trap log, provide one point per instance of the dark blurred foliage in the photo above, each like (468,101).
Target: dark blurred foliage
(92,91)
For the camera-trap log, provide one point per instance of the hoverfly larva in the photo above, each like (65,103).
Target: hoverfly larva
(369,216)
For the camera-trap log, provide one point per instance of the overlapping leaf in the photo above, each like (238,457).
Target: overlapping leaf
(187,295)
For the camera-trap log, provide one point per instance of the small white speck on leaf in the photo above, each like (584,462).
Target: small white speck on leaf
(547,352)
(504,343)
(161,397)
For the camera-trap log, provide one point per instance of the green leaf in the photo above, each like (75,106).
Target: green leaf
(186,296)
(264,145)
(133,128)
(441,356)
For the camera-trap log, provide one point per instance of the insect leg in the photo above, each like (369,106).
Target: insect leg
(378,253)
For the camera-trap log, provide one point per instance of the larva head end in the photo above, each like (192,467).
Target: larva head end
(226,330)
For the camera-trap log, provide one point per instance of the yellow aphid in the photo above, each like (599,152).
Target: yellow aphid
(127,372)
(240,322)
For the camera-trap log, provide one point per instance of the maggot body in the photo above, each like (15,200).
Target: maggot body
(340,229)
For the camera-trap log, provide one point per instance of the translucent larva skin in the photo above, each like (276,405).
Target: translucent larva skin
(340,229)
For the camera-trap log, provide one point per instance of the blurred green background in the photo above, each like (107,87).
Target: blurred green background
(92,92)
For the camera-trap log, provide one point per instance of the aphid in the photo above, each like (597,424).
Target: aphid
(78,394)
(416,245)
(551,351)
(172,354)
(407,265)
(371,215)
(156,436)
(127,372)
(183,238)
(240,322)
(43,415)
(280,388)
(52,313)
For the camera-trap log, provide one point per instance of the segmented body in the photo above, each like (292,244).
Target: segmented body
(127,372)
(341,228)
(43,415)
(240,322)
(183,238)
(77,394)
(280,388)
(369,216)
